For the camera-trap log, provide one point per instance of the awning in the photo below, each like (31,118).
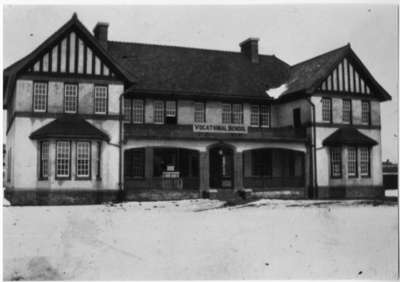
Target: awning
(71,127)
(348,136)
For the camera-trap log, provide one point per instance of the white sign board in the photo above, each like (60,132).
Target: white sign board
(219,128)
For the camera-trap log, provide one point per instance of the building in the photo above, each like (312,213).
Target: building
(91,119)
(390,175)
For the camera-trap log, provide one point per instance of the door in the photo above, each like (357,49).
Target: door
(221,167)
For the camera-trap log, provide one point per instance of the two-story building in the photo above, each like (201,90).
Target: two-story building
(92,120)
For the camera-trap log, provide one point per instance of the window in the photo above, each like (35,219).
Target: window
(347,111)
(261,162)
(98,161)
(40,96)
(226,113)
(326,109)
(44,160)
(365,112)
(100,100)
(254,115)
(237,113)
(63,159)
(127,110)
(364,161)
(83,159)
(138,111)
(265,115)
(70,98)
(352,161)
(159,112)
(134,163)
(336,161)
(199,112)
(170,112)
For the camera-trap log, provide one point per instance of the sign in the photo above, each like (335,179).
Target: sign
(219,128)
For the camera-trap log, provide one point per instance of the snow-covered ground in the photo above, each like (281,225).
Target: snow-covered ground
(200,239)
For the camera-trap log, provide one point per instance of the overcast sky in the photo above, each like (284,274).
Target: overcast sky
(292,32)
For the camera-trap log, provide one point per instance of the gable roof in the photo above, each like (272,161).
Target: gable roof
(10,73)
(308,75)
(348,135)
(173,69)
(69,126)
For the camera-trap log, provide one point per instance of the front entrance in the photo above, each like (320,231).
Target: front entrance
(221,167)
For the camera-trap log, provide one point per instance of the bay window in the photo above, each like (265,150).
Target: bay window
(44,160)
(336,161)
(352,161)
(63,159)
(83,159)
(364,161)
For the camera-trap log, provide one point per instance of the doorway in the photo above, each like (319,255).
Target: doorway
(221,167)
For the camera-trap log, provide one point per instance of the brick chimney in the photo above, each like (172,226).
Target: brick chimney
(101,33)
(249,48)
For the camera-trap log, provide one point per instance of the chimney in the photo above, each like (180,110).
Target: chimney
(249,48)
(101,33)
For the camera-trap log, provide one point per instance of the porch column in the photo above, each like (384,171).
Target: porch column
(238,171)
(204,173)
(148,167)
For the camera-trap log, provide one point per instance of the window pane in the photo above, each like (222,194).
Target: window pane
(237,113)
(352,161)
(70,98)
(336,162)
(365,112)
(226,113)
(158,112)
(170,109)
(255,115)
(83,159)
(364,161)
(265,115)
(326,109)
(100,99)
(44,159)
(199,112)
(39,96)
(127,109)
(63,155)
(138,111)
(346,111)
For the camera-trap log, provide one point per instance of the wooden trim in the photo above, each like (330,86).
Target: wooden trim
(76,52)
(93,63)
(338,125)
(84,57)
(29,114)
(59,57)
(67,54)
(76,78)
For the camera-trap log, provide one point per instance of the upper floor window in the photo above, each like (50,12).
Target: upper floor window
(364,161)
(199,112)
(159,112)
(347,111)
(127,109)
(44,160)
(327,109)
(232,113)
(138,111)
(100,99)
(70,98)
(83,159)
(63,159)
(260,115)
(336,161)
(254,115)
(352,161)
(226,113)
(39,96)
(365,112)
(170,112)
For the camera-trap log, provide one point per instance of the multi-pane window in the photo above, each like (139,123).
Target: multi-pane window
(138,111)
(237,113)
(134,163)
(159,112)
(39,96)
(347,111)
(199,112)
(326,109)
(364,161)
(63,159)
(265,115)
(336,161)
(170,109)
(44,159)
(254,115)
(352,161)
(127,110)
(100,99)
(83,159)
(70,98)
(226,113)
(365,112)
(98,161)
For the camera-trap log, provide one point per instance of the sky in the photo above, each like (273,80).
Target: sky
(292,32)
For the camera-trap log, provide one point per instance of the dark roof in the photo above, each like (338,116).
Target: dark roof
(348,136)
(308,75)
(69,126)
(189,70)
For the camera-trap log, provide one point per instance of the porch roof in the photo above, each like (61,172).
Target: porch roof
(348,135)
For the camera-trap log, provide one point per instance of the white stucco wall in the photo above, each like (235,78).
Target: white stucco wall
(282,114)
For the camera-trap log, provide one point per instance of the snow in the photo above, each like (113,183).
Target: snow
(392,193)
(202,239)
(276,92)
